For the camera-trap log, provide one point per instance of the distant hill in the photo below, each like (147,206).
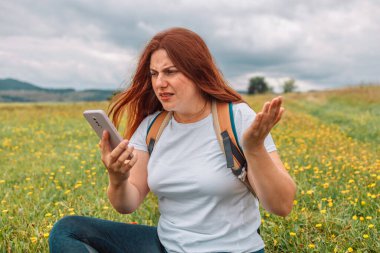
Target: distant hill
(12,90)
(13,84)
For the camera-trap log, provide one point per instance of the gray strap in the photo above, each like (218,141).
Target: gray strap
(151,146)
(227,149)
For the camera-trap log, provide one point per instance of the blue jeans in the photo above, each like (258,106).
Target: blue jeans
(91,235)
(84,234)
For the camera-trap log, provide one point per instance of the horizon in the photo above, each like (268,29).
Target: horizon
(321,45)
(239,91)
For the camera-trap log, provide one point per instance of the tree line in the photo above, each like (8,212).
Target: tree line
(258,85)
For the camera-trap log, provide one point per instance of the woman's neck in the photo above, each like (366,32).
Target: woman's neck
(193,117)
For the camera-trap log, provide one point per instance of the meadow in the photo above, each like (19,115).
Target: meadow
(327,140)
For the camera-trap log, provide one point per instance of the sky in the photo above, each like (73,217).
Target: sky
(83,44)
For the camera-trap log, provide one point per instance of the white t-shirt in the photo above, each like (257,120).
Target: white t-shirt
(203,206)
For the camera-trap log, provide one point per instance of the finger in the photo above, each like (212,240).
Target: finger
(279,102)
(278,98)
(255,126)
(115,154)
(275,108)
(128,164)
(130,150)
(126,155)
(276,102)
(262,124)
(104,143)
(265,108)
(282,110)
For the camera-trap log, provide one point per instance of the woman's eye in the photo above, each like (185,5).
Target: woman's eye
(153,73)
(171,71)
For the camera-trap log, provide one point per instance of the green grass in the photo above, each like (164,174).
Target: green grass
(356,111)
(327,140)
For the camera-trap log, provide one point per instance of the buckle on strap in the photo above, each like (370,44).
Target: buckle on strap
(243,174)
(240,173)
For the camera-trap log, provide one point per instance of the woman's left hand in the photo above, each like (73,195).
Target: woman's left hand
(270,115)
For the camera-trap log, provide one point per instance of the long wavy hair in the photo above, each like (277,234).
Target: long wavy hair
(190,55)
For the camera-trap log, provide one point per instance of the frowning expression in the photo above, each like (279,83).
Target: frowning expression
(174,90)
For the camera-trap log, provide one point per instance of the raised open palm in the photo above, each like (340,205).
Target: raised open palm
(270,115)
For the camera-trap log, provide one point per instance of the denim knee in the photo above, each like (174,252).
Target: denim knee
(63,227)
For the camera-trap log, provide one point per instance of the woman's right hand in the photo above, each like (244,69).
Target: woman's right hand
(118,161)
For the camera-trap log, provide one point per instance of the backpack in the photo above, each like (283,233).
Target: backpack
(224,126)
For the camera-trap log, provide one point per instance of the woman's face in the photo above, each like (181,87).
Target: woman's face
(174,90)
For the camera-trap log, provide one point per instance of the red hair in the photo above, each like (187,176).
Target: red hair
(190,55)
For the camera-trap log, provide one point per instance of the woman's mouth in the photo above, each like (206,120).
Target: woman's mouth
(165,95)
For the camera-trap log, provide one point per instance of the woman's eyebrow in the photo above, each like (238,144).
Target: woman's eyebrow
(166,68)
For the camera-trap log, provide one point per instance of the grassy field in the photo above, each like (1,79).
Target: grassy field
(328,141)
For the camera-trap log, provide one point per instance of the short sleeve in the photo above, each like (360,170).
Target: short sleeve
(138,139)
(244,116)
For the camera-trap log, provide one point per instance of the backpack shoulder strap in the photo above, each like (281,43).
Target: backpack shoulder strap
(156,128)
(224,125)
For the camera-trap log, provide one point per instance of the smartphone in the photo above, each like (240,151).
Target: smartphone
(99,121)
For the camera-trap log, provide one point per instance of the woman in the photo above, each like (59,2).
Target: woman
(203,206)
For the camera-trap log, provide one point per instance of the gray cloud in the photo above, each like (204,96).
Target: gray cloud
(95,44)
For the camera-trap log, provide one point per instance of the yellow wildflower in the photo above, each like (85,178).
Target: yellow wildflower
(33,239)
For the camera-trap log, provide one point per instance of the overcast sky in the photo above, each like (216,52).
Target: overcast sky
(95,44)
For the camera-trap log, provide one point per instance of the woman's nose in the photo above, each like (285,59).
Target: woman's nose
(161,82)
